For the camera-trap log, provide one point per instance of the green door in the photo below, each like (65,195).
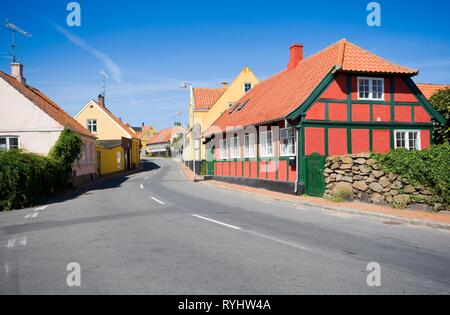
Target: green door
(315,178)
(210,160)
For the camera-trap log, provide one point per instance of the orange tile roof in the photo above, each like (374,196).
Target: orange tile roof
(48,106)
(205,98)
(430,89)
(274,99)
(127,129)
(145,129)
(163,136)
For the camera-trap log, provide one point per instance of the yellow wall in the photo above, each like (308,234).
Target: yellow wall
(206,118)
(108,160)
(136,152)
(107,128)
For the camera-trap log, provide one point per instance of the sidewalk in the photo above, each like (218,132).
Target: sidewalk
(439,220)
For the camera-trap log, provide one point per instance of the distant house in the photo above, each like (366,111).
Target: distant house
(118,146)
(159,144)
(30,121)
(207,104)
(145,133)
(428,90)
(341,100)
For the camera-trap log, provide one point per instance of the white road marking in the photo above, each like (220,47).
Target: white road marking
(41,208)
(7,270)
(35,215)
(158,201)
(278,240)
(142,186)
(217,222)
(32,215)
(146,178)
(28,216)
(267,237)
(12,243)
(23,241)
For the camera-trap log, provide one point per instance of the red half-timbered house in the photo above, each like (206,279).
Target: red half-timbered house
(341,100)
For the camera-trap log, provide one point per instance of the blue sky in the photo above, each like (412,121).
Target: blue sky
(149,47)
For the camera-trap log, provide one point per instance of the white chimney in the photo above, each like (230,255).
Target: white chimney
(17,72)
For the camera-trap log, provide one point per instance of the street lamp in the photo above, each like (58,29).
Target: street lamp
(193,130)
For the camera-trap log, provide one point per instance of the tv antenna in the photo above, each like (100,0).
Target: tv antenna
(104,77)
(15,29)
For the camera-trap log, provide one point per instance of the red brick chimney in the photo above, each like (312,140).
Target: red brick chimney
(296,55)
(101,100)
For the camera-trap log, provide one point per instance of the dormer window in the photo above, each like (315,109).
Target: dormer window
(371,89)
(247,87)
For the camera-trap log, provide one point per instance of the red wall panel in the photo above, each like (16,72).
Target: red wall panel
(219,169)
(316,112)
(381,141)
(246,169)
(314,141)
(263,170)
(360,141)
(254,169)
(232,169)
(226,169)
(337,89)
(402,92)
(381,113)
(239,170)
(337,141)
(282,171)
(403,114)
(272,170)
(292,174)
(337,112)
(361,112)
(425,139)
(421,115)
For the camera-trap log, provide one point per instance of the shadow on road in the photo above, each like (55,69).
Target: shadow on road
(107,182)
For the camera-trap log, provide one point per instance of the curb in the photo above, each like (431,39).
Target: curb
(432,224)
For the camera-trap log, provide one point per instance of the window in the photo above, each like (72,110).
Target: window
(235,147)
(247,87)
(223,149)
(266,144)
(370,89)
(9,143)
(234,108)
(243,105)
(407,139)
(92,125)
(287,141)
(249,145)
(119,160)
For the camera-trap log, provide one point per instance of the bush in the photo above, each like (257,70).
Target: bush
(429,167)
(27,179)
(67,149)
(441,102)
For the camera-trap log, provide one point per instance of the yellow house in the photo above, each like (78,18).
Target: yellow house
(118,146)
(144,133)
(208,104)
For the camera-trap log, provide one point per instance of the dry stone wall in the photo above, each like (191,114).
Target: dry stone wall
(365,181)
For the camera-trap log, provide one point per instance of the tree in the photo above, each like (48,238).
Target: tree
(441,102)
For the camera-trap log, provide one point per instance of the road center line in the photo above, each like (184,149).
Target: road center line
(41,208)
(217,222)
(158,201)
(142,186)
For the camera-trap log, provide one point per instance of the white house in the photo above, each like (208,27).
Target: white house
(30,121)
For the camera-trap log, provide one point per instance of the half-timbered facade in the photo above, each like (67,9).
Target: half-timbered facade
(342,100)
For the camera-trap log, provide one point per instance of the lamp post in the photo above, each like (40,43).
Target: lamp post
(193,130)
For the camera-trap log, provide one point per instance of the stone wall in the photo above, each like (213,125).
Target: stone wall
(360,175)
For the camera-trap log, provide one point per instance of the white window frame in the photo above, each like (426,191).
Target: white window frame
(90,123)
(8,145)
(223,149)
(407,139)
(266,145)
(249,145)
(371,98)
(245,86)
(294,136)
(119,159)
(235,148)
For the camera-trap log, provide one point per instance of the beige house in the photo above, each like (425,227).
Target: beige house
(30,121)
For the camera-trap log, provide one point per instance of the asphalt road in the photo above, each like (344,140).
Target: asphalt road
(157,233)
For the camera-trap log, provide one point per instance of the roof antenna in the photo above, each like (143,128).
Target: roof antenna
(14,29)
(104,77)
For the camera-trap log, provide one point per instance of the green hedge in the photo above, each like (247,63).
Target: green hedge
(429,167)
(28,179)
